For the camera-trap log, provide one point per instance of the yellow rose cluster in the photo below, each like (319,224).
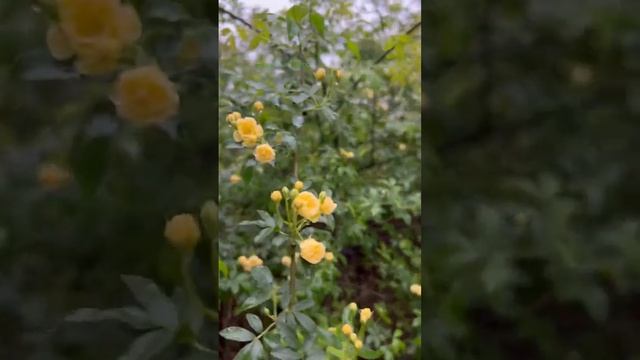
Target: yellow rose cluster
(95,31)
(250,262)
(249,132)
(347,329)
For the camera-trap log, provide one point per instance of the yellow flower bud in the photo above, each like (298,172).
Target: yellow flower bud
(340,74)
(286,261)
(234,179)
(294,193)
(298,185)
(353,306)
(346,154)
(231,118)
(276,196)
(353,337)
(358,344)
(264,153)
(312,250)
(365,315)
(416,289)
(402,146)
(329,256)
(250,262)
(320,74)
(258,106)
(182,231)
(347,329)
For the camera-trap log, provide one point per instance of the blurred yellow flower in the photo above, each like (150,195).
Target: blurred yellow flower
(98,31)
(182,231)
(276,196)
(250,262)
(346,154)
(347,329)
(329,256)
(258,106)
(264,153)
(52,176)
(234,179)
(298,185)
(320,74)
(145,95)
(248,131)
(308,206)
(353,337)
(365,315)
(328,206)
(233,117)
(402,146)
(312,250)
(340,74)
(358,344)
(416,289)
(58,43)
(286,261)
(353,306)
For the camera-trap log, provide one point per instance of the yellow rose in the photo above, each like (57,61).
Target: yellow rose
(182,231)
(231,119)
(312,250)
(320,74)
(286,261)
(328,206)
(145,95)
(254,261)
(234,179)
(329,256)
(353,306)
(347,329)
(58,43)
(308,206)
(298,185)
(248,131)
(258,106)
(52,176)
(365,315)
(98,31)
(276,196)
(358,344)
(264,153)
(416,289)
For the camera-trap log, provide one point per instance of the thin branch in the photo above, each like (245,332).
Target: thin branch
(238,18)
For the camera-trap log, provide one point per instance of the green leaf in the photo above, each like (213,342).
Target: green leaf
(285,331)
(298,99)
(297,12)
(335,352)
(262,275)
(306,322)
(133,316)
(247,174)
(160,308)
(224,269)
(256,298)
(255,322)
(286,354)
(209,217)
(292,28)
(263,234)
(189,313)
(268,219)
(317,21)
(354,48)
(49,71)
(303,305)
(368,353)
(236,333)
(252,351)
(148,345)
(89,159)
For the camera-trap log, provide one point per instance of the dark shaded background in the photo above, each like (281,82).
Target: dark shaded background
(532,140)
(65,249)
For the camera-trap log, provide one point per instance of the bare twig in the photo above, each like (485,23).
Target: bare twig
(238,18)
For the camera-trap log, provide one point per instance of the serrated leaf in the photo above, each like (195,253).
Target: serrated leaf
(148,345)
(255,322)
(317,21)
(133,316)
(160,308)
(236,333)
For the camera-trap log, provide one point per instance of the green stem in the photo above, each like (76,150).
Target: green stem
(191,288)
(266,330)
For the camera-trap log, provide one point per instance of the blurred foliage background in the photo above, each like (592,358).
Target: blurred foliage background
(358,136)
(68,230)
(531,167)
